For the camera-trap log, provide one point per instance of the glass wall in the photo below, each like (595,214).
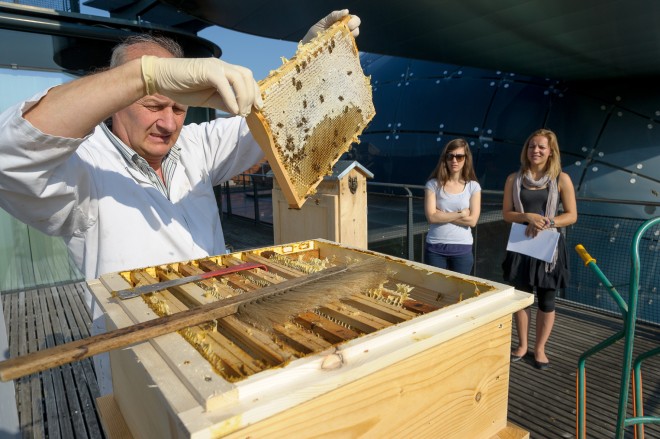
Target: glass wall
(609,132)
(28,258)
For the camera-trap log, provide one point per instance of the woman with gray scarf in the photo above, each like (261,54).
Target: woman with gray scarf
(531,197)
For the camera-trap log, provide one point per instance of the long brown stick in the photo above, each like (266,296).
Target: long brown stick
(77,350)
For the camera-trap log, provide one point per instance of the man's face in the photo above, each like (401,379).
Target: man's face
(150,126)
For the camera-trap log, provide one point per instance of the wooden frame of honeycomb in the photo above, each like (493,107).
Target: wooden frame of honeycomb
(315,106)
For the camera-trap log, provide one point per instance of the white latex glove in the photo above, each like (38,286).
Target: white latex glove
(327,21)
(202,82)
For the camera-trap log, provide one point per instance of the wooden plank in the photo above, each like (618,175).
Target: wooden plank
(325,328)
(353,317)
(137,393)
(9,419)
(37,428)
(50,403)
(255,341)
(234,280)
(276,261)
(379,308)
(88,389)
(62,335)
(215,286)
(303,341)
(75,295)
(237,362)
(512,431)
(189,294)
(438,299)
(353,210)
(273,267)
(6,311)
(264,274)
(13,324)
(247,337)
(112,420)
(84,318)
(23,384)
(462,397)
(250,338)
(192,270)
(63,420)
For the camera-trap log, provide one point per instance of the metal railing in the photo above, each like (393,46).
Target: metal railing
(397,226)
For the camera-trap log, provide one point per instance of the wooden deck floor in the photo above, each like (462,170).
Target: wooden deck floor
(544,402)
(60,402)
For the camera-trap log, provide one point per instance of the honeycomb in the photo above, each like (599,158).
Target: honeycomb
(315,106)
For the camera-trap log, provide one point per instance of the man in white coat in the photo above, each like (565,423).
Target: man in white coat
(138,192)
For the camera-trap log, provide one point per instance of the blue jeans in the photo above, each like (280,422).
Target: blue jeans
(461,263)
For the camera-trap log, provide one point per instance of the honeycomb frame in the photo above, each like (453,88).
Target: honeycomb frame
(315,106)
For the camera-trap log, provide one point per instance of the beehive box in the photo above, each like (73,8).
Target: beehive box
(426,355)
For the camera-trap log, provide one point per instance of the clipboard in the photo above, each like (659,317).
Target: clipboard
(542,247)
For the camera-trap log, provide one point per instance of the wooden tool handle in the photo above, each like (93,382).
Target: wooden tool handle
(77,350)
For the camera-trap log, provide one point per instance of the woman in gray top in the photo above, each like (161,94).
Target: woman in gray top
(452,204)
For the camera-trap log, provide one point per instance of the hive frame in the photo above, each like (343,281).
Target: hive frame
(260,124)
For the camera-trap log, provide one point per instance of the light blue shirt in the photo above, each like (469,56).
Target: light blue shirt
(449,233)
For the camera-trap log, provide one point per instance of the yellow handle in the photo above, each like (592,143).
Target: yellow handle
(586,257)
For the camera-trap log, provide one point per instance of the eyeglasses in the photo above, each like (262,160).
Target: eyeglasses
(458,157)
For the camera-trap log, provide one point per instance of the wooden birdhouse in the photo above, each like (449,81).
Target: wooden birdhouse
(337,211)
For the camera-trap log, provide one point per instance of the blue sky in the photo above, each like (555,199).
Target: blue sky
(261,55)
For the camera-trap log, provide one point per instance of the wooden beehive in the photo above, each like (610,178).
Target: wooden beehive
(427,355)
(337,211)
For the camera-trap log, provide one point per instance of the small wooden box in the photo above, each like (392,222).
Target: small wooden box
(443,373)
(337,211)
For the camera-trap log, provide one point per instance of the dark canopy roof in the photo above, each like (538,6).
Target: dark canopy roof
(560,39)
(44,39)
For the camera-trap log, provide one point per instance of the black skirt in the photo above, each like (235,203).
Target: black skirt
(522,270)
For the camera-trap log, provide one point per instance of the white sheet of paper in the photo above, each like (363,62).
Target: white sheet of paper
(543,246)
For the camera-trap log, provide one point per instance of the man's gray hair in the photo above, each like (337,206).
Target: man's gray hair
(119,51)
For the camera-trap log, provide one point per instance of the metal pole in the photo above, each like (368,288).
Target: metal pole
(228,196)
(409,227)
(255,192)
(630,327)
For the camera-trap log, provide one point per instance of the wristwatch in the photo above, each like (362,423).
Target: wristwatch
(552,222)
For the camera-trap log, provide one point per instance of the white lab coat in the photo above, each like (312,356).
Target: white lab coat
(110,216)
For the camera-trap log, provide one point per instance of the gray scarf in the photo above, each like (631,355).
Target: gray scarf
(528,182)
